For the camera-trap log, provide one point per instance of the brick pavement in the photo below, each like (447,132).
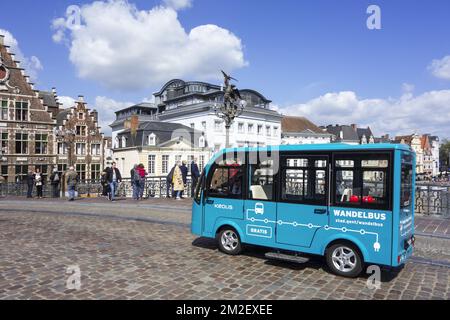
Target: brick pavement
(127,259)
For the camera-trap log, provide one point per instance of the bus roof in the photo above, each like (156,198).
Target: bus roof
(326,147)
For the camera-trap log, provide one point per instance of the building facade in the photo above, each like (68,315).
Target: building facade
(299,130)
(158,146)
(415,142)
(350,134)
(26,124)
(80,142)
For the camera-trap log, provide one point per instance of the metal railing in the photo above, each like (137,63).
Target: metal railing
(154,187)
(431,198)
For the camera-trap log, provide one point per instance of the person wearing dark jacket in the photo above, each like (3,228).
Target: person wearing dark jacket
(55,180)
(169,183)
(30,184)
(195,174)
(114,178)
(184,173)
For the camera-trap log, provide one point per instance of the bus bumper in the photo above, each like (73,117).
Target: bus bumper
(406,253)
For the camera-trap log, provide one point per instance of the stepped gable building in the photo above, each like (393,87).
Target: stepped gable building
(159,145)
(80,142)
(26,124)
(299,130)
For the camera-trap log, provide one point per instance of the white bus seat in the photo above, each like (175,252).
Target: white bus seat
(346,195)
(261,192)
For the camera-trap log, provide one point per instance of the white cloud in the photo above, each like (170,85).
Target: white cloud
(31,65)
(425,113)
(178,4)
(122,47)
(441,68)
(106,108)
(67,102)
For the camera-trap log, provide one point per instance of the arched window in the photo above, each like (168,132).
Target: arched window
(116,143)
(124,142)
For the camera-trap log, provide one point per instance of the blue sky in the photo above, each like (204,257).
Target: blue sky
(303,55)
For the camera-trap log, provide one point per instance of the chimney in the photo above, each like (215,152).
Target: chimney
(354,127)
(2,39)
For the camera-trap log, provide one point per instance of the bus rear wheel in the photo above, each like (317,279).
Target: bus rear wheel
(229,241)
(344,259)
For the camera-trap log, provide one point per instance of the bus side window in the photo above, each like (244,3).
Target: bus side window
(226,181)
(362,181)
(261,181)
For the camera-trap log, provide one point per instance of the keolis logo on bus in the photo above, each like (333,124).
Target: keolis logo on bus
(360,214)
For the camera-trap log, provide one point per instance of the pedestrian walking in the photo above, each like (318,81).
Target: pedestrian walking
(184,174)
(104,183)
(134,174)
(178,185)
(142,175)
(113,177)
(195,174)
(72,180)
(169,183)
(55,181)
(30,184)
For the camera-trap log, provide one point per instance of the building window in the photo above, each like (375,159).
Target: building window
(152,140)
(202,142)
(21,143)
(268,131)
(260,129)
(192,125)
(218,126)
(4,110)
(275,131)
(95,172)
(81,131)
(116,143)
(4,143)
(124,142)
(81,149)
(216,148)
(240,127)
(204,125)
(62,148)
(4,173)
(41,144)
(81,116)
(165,164)
(81,171)
(21,173)
(178,158)
(151,164)
(21,111)
(250,128)
(95,149)
(62,168)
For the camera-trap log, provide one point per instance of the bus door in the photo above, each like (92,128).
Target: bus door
(260,206)
(303,206)
(223,198)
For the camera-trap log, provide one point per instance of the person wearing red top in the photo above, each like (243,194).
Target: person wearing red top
(142,174)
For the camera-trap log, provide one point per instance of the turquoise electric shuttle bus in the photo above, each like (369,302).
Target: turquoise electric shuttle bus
(352,204)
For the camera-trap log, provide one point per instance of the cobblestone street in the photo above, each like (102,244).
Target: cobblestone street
(146,251)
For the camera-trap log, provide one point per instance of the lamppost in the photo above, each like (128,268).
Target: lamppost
(68,137)
(233,106)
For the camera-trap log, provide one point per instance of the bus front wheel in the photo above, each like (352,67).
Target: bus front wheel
(344,259)
(229,241)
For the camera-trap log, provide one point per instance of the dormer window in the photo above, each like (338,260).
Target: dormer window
(152,140)
(202,142)
(124,142)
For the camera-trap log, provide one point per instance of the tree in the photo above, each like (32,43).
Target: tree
(444,155)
